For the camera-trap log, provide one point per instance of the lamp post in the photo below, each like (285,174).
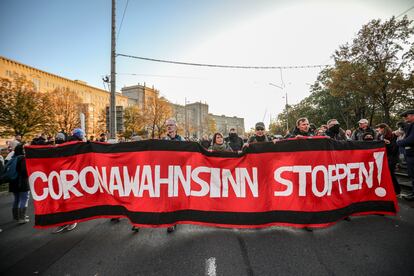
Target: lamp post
(286,106)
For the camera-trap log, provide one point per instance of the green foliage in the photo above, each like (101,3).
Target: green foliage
(372,78)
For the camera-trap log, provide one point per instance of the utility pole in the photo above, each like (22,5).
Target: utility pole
(186,117)
(286,106)
(112,105)
(287,113)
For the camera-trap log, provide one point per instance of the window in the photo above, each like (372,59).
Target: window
(36,83)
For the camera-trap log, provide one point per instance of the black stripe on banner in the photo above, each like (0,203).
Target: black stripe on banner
(223,218)
(316,144)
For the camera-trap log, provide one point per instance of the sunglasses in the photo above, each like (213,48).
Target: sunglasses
(259,128)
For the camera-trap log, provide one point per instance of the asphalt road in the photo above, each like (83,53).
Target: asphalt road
(369,245)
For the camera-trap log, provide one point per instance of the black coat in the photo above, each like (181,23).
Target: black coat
(235,142)
(21,183)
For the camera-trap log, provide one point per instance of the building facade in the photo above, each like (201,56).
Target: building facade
(139,95)
(195,120)
(225,123)
(94,100)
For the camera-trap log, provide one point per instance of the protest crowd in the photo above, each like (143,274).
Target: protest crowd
(399,145)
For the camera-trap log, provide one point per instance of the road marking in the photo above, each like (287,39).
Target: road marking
(211,266)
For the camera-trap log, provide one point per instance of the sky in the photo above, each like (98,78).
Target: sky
(73,39)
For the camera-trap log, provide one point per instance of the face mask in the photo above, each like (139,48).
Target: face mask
(334,129)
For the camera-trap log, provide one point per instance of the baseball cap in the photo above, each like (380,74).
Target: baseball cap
(260,125)
(407,112)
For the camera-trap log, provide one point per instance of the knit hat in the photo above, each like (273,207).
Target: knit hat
(78,133)
(60,136)
(260,125)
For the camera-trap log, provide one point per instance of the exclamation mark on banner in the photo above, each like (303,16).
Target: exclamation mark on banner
(379,160)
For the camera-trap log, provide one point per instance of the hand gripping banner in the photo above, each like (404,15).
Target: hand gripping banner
(313,182)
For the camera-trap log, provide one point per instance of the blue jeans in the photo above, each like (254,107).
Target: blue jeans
(21,199)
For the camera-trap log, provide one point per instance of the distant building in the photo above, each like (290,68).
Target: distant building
(94,100)
(139,95)
(225,123)
(195,120)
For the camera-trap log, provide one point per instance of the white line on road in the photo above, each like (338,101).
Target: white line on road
(211,266)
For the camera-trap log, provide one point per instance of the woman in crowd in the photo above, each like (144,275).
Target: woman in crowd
(20,186)
(218,143)
(390,139)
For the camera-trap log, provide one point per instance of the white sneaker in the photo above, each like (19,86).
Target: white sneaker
(72,226)
(61,228)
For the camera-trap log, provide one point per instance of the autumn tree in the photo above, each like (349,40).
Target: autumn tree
(157,111)
(22,109)
(101,122)
(66,107)
(372,78)
(377,66)
(211,125)
(135,121)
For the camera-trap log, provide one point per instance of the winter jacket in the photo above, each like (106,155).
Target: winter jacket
(297,132)
(222,147)
(21,183)
(339,136)
(408,142)
(235,142)
(359,133)
(258,139)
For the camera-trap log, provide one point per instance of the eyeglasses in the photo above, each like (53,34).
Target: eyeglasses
(260,129)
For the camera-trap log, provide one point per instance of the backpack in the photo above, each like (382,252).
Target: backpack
(10,170)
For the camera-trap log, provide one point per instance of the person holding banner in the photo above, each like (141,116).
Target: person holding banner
(259,136)
(390,140)
(408,144)
(171,136)
(302,129)
(219,144)
(172,131)
(77,135)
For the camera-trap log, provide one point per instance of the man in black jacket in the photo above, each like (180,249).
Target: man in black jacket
(234,141)
(302,129)
(408,144)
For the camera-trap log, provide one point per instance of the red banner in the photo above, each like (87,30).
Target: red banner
(154,183)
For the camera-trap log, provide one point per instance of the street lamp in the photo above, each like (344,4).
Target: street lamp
(286,96)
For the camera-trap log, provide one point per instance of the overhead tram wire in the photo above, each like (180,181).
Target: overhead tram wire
(401,14)
(226,66)
(122,20)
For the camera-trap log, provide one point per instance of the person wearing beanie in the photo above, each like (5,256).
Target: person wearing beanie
(234,141)
(77,135)
(60,138)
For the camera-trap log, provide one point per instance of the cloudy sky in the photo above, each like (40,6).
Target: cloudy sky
(72,39)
